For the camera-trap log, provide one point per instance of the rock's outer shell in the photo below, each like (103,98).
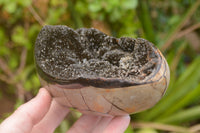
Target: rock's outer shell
(115,101)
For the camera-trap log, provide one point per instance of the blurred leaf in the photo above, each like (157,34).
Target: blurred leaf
(147,130)
(4,50)
(19,37)
(64,126)
(74,15)
(95,6)
(174,19)
(129,4)
(24,3)
(33,83)
(11,7)
(13,62)
(2,2)
(55,16)
(190,71)
(31,80)
(56,2)
(111,5)
(133,27)
(32,32)
(82,7)
(18,103)
(183,116)
(3,39)
(129,129)
(116,15)
(28,86)
(191,97)
(145,20)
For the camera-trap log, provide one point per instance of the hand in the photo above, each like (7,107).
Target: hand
(42,115)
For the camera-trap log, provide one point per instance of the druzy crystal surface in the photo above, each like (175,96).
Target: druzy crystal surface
(87,53)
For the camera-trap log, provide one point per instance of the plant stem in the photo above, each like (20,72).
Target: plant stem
(143,14)
(172,35)
(75,17)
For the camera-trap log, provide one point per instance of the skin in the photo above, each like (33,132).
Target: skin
(43,115)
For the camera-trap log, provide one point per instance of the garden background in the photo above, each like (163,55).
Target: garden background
(173,26)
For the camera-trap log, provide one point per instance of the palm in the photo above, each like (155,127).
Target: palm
(43,115)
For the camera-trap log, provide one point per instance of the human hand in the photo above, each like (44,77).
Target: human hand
(42,115)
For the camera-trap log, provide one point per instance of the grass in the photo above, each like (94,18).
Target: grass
(165,23)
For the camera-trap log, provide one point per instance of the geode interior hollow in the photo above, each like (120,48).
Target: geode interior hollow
(68,60)
(67,55)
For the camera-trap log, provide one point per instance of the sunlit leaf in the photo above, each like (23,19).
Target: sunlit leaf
(11,7)
(129,4)
(184,116)
(129,129)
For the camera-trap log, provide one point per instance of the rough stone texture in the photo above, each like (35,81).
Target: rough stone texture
(65,55)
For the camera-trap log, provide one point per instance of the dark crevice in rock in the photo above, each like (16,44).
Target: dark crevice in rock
(66,54)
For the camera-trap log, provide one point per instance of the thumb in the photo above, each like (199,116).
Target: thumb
(28,114)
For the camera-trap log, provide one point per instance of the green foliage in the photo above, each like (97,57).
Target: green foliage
(158,21)
(183,116)
(111,12)
(147,130)
(64,126)
(112,8)
(129,130)
(146,21)
(11,5)
(19,37)
(55,16)
(3,50)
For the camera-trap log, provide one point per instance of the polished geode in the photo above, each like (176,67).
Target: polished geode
(89,56)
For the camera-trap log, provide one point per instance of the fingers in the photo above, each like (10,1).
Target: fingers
(117,124)
(85,124)
(52,119)
(28,114)
(33,113)
(102,124)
